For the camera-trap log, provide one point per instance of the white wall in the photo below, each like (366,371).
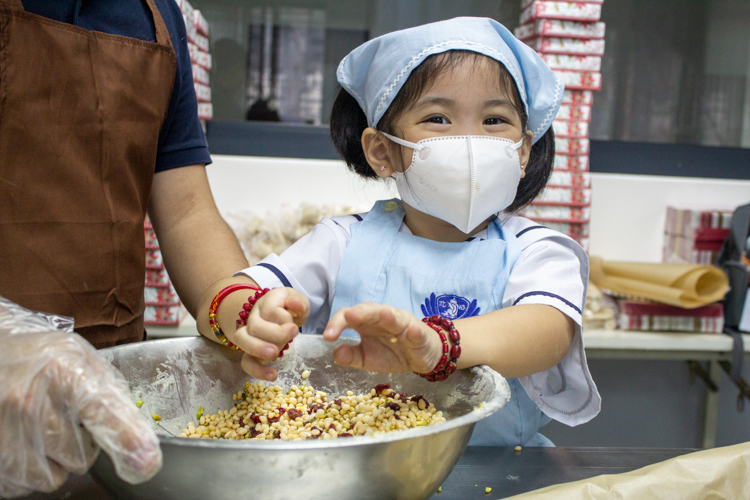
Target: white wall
(627,212)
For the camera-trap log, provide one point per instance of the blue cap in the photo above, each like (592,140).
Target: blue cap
(374,72)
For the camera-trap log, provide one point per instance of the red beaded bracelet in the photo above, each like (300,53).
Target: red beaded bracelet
(212,319)
(248,306)
(445,366)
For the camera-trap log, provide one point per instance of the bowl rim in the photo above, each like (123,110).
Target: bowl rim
(497,401)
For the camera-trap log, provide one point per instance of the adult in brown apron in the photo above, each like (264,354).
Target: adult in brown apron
(80,116)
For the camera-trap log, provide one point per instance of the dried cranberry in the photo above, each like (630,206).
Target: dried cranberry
(311,437)
(242,421)
(337,402)
(403,396)
(272,420)
(315,407)
(277,435)
(381,387)
(281,411)
(416,399)
(332,426)
(393,406)
(345,435)
(254,433)
(294,413)
(255,418)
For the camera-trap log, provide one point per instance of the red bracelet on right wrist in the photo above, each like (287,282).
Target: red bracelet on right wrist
(448,361)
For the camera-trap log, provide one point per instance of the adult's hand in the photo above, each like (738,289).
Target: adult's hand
(60,401)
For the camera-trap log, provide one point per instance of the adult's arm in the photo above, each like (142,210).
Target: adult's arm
(197,245)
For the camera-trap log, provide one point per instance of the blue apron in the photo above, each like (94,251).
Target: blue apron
(425,277)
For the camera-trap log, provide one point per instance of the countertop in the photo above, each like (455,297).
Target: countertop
(504,470)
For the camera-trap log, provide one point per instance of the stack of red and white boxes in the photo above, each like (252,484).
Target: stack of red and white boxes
(570,39)
(694,236)
(163,307)
(197,35)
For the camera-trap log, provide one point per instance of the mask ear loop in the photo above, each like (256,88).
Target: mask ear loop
(422,150)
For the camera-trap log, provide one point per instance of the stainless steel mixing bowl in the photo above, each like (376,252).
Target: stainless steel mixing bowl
(175,377)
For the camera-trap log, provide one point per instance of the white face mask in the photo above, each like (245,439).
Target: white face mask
(463,179)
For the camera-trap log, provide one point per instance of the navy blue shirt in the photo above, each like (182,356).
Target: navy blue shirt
(181,140)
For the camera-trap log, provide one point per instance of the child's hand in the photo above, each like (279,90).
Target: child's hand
(274,320)
(416,348)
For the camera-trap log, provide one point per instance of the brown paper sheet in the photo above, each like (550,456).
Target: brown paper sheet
(719,473)
(682,285)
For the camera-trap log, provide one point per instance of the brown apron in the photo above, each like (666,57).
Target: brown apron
(80,116)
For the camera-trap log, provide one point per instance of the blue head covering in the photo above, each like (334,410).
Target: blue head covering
(374,72)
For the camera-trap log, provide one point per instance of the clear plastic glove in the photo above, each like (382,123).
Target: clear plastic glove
(60,401)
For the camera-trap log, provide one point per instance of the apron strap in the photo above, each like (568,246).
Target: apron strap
(162,33)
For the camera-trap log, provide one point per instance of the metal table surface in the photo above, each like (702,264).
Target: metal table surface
(504,470)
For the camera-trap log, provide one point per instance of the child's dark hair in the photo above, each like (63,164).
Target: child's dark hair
(348,121)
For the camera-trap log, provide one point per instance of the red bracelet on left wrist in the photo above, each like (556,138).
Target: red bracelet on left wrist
(213,321)
(248,306)
(449,359)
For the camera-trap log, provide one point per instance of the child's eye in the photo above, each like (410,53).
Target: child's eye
(495,120)
(437,119)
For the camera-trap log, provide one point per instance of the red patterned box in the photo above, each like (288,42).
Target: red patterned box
(205,111)
(564,196)
(571,146)
(580,80)
(570,215)
(163,315)
(576,63)
(571,162)
(585,97)
(568,11)
(569,178)
(574,112)
(561,29)
(694,236)
(567,46)
(161,296)
(157,278)
(661,317)
(200,75)
(570,128)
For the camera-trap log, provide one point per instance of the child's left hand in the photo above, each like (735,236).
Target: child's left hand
(417,347)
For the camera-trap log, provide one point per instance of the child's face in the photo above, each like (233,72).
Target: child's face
(468,100)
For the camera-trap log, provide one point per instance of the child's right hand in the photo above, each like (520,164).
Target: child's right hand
(274,320)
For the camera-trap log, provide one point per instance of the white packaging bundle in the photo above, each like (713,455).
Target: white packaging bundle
(190,29)
(569,46)
(579,63)
(571,146)
(579,113)
(570,128)
(567,196)
(571,162)
(200,75)
(569,178)
(202,92)
(580,80)
(557,28)
(578,97)
(205,111)
(547,213)
(200,22)
(572,11)
(526,3)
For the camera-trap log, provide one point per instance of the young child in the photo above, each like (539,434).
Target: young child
(458,113)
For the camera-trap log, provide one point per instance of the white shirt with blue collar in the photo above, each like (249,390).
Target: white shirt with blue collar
(552,270)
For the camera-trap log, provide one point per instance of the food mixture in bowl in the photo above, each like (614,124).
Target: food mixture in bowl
(302,413)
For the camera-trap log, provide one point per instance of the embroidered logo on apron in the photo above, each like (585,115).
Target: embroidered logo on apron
(450,306)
